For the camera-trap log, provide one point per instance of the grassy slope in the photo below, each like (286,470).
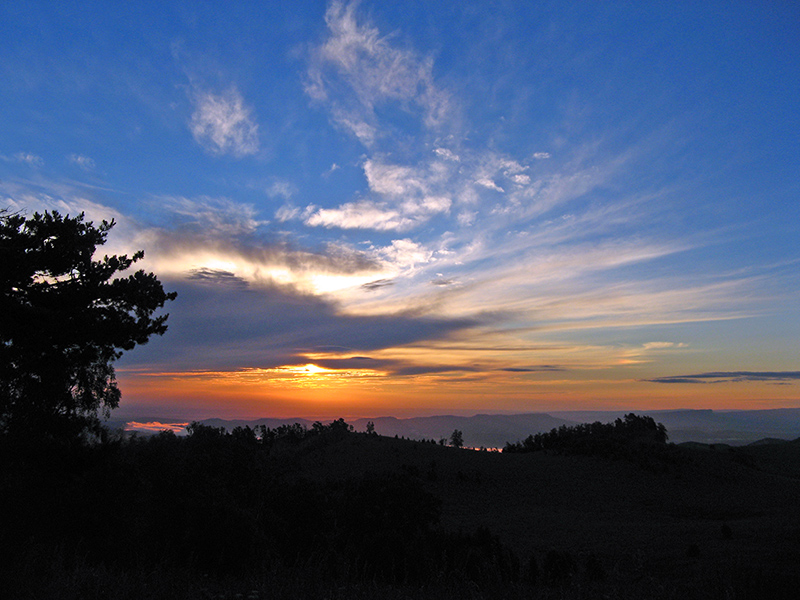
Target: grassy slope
(639,517)
(636,517)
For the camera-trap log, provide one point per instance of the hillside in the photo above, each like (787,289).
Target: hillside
(635,517)
(302,514)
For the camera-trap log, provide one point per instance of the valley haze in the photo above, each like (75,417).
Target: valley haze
(731,427)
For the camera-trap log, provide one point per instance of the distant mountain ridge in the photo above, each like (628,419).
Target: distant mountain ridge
(494,430)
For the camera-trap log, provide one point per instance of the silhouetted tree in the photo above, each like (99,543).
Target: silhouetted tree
(340,426)
(65,319)
(370,428)
(456,439)
(631,432)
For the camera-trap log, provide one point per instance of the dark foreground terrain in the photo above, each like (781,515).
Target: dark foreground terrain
(328,513)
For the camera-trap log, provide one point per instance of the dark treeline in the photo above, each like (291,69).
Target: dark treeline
(620,438)
(221,504)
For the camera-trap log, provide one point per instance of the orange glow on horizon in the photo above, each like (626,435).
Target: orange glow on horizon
(311,390)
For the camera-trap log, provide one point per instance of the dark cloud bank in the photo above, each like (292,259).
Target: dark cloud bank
(219,323)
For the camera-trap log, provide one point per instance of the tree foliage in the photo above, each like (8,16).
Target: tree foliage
(66,318)
(596,438)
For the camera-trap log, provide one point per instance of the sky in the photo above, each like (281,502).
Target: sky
(373,208)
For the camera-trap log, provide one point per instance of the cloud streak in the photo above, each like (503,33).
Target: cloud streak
(731,377)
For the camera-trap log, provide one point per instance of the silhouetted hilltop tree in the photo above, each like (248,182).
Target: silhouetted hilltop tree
(457,439)
(297,432)
(65,319)
(338,427)
(596,438)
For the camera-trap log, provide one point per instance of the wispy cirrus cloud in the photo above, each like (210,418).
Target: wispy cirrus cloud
(356,69)
(24,157)
(223,124)
(354,72)
(70,198)
(731,377)
(84,162)
(212,216)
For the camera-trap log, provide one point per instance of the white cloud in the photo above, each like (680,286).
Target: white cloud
(510,167)
(393,180)
(405,197)
(405,254)
(222,124)
(360,215)
(489,184)
(24,157)
(84,162)
(541,155)
(352,122)
(356,69)
(521,179)
(379,216)
(447,154)
(663,345)
(434,204)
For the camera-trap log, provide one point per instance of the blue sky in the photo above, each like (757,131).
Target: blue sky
(442,207)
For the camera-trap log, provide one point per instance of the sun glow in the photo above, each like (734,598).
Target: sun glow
(309,369)
(307,376)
